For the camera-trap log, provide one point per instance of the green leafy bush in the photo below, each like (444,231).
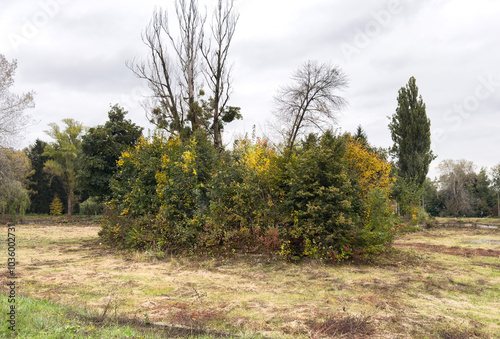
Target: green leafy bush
(320,199)
(244,189)
(91,206)
(134,183)
(327,199)
(379,228)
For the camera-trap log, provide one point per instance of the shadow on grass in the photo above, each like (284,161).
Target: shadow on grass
(44,319)
(168,330)
(350,326)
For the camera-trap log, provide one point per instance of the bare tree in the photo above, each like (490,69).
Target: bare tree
(310,101)
(217,73)
(14,166)
(172,67)
(191,24)
(457,176)
(12,106)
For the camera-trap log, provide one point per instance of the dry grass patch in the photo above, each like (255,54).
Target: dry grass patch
(468,238)
(406,291)
(343,327)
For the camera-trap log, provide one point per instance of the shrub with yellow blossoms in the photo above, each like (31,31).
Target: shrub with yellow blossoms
(328,199)
(369,169)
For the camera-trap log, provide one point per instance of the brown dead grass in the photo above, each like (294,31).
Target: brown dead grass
(427,280)
(342,327)
(455,250)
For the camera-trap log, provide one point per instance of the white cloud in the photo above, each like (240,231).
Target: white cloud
(75,61)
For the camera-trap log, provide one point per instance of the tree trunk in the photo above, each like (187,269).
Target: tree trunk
(217,135)
(217,111)
(69,203)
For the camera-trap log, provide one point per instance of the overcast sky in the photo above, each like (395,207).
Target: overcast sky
(72,53)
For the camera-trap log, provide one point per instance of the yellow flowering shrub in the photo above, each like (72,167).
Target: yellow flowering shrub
(368,168)
(328,199)
(134,183)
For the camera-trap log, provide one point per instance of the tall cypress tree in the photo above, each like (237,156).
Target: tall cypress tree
(42,189)
(411,134)
(39,185)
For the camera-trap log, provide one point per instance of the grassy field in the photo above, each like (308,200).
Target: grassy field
(438,283)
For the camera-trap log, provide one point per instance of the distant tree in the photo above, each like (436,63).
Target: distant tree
(217,72)
(483,196)
(65,156)
(15,169)
(91,206)
(39,185)
(56,206)
(456,181)
(411,134)
(310,102)
(20,166)
(14,198)
(12,106)
(433,199)
(361,136)
(495,173)
(102,146)
(42,189)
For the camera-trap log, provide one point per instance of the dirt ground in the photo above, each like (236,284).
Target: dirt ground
(440,283)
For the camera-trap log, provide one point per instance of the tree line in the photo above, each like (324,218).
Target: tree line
(463,191)
(78,164)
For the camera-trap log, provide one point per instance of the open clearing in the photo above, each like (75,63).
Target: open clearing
(439,283)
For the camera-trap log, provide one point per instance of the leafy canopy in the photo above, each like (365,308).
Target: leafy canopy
(102,146)
(65,155)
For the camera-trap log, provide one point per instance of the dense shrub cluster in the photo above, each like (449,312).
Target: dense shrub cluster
(91,206)
(327,199)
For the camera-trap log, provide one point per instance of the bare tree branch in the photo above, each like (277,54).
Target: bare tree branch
(310,101)
(172,67)
(216,71)
(12,106)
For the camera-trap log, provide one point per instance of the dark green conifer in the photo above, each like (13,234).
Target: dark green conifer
(411,133)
